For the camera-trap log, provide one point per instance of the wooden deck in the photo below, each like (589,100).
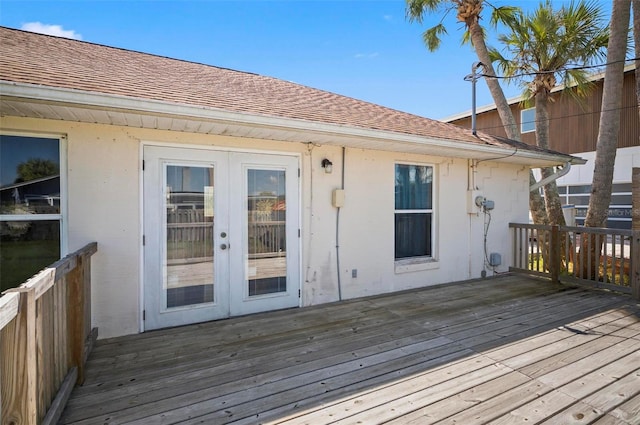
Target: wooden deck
(509,350)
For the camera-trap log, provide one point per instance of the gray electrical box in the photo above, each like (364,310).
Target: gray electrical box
(495,259)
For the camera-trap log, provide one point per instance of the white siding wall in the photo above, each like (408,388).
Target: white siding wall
(626,159)
(105,206)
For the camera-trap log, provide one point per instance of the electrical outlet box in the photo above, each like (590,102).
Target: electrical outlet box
(472,207)
(495,259)
(337,198)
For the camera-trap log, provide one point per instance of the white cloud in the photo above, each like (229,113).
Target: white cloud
(55,30)
(366,55)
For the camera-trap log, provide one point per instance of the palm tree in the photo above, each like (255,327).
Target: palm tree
(609,117)
(469,12)
(609,126)
(543,48)
(636,42)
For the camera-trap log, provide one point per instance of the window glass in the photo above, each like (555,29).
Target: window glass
(29,175)
(528,120)
(621,199)
(580,189)
(29,189)
(579,200)
(413,235)
(413,187)
(27,247)
(622,187)
(413,211)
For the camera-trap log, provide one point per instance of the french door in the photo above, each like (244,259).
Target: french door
(220,234)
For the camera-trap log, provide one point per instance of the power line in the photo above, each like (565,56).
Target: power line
(562,117)
(576,68)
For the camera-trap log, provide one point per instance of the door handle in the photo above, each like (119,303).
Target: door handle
(223,246)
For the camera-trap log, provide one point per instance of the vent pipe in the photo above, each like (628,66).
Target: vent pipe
(473,77)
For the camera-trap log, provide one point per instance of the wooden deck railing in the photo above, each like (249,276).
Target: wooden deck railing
(600,257)
(45,336)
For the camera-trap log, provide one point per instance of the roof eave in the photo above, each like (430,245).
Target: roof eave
(275,127)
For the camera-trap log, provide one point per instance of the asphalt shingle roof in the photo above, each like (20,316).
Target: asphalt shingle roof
(38,59)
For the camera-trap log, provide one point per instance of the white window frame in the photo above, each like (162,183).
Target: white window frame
(62,217)
(412,264)
(525,122)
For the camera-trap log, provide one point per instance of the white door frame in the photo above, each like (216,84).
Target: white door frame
(237,261)
(240,300)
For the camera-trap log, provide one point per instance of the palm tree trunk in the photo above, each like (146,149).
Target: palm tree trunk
(551,197)
(608,131)
(536,203)
(636,40)
(504,110)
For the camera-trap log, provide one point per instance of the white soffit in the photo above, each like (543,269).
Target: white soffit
(24,100)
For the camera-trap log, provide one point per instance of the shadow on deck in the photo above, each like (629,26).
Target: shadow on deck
(509,349)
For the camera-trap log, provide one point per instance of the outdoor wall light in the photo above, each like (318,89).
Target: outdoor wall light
(327,165)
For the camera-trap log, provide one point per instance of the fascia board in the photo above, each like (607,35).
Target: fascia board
(125,103)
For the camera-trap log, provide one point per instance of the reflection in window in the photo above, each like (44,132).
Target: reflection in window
(413,211)
(528,120)
(190,227)
(29,189)
(27,247)
(266,225)
(29,175)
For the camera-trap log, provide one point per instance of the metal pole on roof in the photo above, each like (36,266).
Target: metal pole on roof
(473,77)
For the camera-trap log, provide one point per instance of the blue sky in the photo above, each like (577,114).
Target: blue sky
(359,48)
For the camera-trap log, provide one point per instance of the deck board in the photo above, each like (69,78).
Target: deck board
(507,350)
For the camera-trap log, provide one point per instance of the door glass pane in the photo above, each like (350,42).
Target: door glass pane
(266,262)
(189,248)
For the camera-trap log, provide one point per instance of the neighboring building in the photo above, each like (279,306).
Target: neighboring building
(574,130)
(216,193)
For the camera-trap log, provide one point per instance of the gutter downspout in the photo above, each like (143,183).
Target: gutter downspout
(338,230)
(553,177)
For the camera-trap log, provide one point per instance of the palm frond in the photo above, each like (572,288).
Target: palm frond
(548,42)
(577,86)
(417,9)
(504,15)
(431,37)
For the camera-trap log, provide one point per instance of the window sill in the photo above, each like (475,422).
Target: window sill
(416,265)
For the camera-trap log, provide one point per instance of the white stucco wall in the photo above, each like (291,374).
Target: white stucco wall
(104,200)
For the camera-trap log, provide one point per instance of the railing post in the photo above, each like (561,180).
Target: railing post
(554,254)
(635,237)
(76,302)
(635,264)
(21,405)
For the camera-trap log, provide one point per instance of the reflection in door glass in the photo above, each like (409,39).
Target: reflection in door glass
(266,263)
(190,220)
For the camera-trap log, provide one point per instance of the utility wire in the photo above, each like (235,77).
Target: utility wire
(575,68)
(563,117)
